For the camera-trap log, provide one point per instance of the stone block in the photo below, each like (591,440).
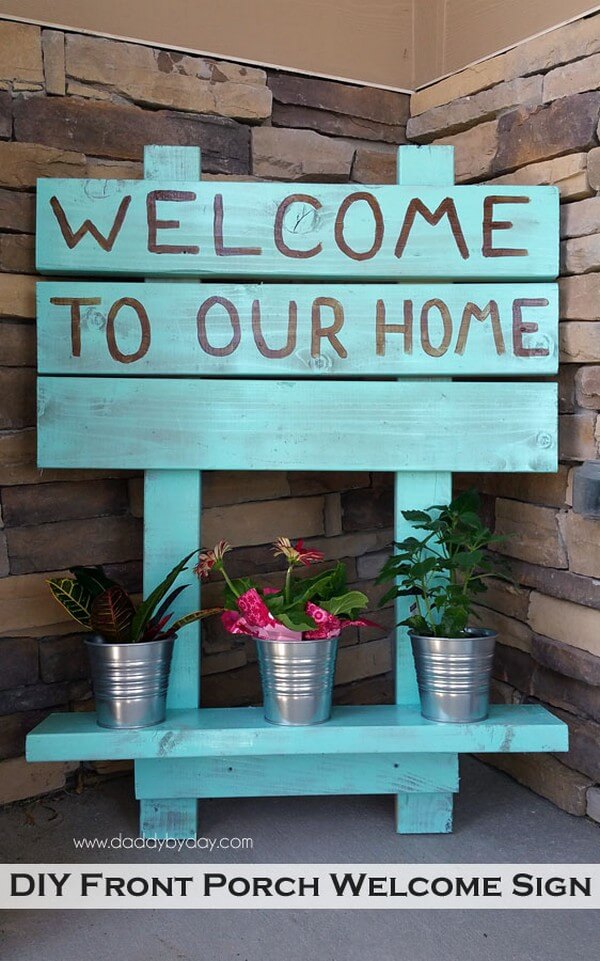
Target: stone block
(564,621)
(223,661)
(113,169)
(375,166)
(17,344)
(336,124)
(17,211)
(466,111)
(17,389)
(17,296)
(506,598)
(531,532)
(17,253)
(5,115)
(558,583)
(529,134)
(584,745)
(367,509)
(61,544)
(580,218)
(566,659)
(582,538)
(513,666)
(279,154)
(594,168)
(22,163)
(239,688)
(579,342)
(53,50)
(40,504)
(565,692)
(63,658)
(369,103)
(580,297)
(545,489)
(587,387)
(511,631)
(547,776)
(567,402)
(20,53)
(120,131)
(20,779)
(4,561)
(236,487)
(33,697)
(19,658)
(580,255)
(311,482)
(263,521)
(586,489)
(572,78)
(576,436)
(593,804)
(366,660)
(568,173)
(474,151)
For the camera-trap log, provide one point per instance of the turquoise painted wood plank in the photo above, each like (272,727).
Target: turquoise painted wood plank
(216,732)
(424,814)
(168,818)
(305,330)
(412,491)
(290,775)
(277,230)
(286,425)
(172,512)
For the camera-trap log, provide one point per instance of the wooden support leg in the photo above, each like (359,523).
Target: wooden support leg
(169,818)
(424,813)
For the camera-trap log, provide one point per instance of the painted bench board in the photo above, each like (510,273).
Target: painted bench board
(228,329)
(142,230)
(286,775)
(287,425)
(215,732)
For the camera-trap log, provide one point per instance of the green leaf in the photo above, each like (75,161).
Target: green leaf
(193,617)
(93,579)
(417,517)
(112,614)
(296,619)
(74,598)
(147,607)
(350,603)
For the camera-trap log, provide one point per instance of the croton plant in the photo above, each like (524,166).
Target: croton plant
(104,607)
(315,608)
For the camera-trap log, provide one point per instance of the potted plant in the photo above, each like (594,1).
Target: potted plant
(130,648)
(296,629)
(444,568)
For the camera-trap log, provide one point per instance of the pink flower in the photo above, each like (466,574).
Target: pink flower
(296,554)
(210,559)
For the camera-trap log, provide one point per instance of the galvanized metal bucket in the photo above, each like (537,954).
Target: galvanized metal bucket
(130,681)
(453,674)
(297,679)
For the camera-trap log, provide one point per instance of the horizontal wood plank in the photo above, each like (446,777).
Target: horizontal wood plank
(289,775)
(237,732)
(276,230)
(129,329)
(98,422)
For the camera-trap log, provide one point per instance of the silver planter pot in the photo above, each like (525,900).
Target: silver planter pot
(454,674)
(130,681)
(297,679)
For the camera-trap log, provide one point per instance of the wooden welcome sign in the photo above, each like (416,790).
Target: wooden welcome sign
(376,297)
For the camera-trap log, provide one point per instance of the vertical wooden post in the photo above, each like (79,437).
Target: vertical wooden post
(419,813)
(172,505)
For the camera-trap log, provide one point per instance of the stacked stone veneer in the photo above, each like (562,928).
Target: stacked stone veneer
(77,106)
(530,116)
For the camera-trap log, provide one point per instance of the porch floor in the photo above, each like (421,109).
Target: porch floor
(496,820)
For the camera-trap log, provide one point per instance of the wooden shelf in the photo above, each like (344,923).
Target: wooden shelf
(215,732)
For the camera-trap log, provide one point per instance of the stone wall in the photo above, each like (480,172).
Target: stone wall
(77,106)
(530,116)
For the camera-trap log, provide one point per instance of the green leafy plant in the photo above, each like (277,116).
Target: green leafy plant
(444,568)
(101,605)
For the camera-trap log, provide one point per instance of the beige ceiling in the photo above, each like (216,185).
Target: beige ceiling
(400,44)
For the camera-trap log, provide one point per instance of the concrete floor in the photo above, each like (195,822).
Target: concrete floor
(495,821)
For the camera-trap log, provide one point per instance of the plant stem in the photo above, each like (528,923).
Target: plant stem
(228,581)
(288,584)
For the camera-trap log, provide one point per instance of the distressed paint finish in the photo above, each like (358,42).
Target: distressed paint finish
(288,775)
(172,525)
(424,813)
(301,330)
(287,425)
(237,731)
(305,231)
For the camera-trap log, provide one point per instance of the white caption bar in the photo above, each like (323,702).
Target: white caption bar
(313,886)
